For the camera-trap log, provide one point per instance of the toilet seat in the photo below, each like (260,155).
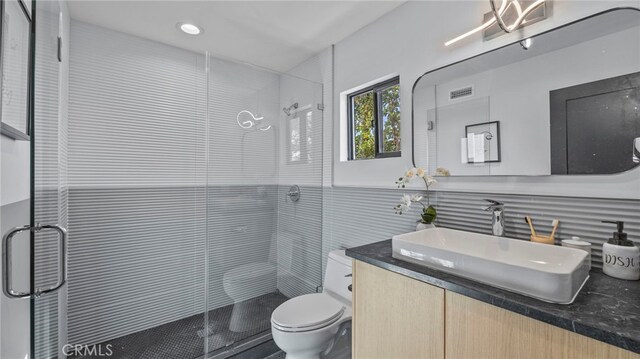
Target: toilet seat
(306,313)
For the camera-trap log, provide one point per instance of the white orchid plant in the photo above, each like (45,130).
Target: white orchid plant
(429,212)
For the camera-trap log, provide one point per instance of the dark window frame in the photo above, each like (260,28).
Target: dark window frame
(378,126)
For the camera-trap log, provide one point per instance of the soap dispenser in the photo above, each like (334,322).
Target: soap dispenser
(620,256)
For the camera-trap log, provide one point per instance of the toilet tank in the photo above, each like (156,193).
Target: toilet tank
(337,276)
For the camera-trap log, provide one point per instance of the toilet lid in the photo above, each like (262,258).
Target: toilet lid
(307,312)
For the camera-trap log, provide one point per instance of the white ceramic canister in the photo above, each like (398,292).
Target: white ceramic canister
(577,243)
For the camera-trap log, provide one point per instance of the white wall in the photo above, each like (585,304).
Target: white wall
(409,41)
(14,159)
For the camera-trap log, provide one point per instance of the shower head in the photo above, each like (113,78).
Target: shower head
(287,110)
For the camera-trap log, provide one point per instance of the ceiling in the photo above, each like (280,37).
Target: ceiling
(274,34)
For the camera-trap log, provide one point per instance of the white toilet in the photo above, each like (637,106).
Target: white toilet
(248,281)
(308,326)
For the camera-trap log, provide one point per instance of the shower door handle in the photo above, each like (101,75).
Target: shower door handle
(6,263)
(62,261)
(7,287)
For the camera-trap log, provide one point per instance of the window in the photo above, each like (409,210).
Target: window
(374,121)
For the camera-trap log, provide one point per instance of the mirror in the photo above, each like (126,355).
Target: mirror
(15,37)
(564,102)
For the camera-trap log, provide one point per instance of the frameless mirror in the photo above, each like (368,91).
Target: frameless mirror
(564,102)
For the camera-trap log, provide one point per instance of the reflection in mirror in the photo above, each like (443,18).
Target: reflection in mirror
(14,59)
(600,119)
(563,102)
(294,139)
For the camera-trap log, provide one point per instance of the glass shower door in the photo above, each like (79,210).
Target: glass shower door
(121,166)
(49,188)
(182,239)
(262,247)
(15,194)
(136,196)
(241,200)
(34,250)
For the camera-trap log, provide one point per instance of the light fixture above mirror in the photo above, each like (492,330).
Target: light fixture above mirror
(509,16)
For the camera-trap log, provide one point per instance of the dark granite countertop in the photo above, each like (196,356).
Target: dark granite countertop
(607,309)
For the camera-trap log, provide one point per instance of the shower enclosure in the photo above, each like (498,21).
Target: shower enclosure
(171,173)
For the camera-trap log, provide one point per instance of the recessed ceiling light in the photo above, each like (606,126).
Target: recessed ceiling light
(190,29)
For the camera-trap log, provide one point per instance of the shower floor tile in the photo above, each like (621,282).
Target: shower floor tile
(184,338)
(278,355)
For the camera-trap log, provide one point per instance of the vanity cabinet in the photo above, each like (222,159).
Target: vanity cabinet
(479,330)
(398,317)
(395,316)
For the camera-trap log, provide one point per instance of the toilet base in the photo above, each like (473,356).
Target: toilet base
(247,316)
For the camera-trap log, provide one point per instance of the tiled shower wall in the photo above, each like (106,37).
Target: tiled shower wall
(148,256)
(137,176)
(150,209)
(299,240)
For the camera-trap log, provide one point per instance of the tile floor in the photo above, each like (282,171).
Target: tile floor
(183,339)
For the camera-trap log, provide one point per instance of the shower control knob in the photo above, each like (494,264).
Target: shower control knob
(294,193)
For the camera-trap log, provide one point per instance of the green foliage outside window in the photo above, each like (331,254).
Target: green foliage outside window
(363,116)
(391,119)
(364,122)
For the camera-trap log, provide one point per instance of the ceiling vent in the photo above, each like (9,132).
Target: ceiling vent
(461,93)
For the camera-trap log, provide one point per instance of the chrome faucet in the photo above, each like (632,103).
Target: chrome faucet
(497,220)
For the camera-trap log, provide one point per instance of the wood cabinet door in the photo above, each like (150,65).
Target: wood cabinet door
(395,316)
(478,330)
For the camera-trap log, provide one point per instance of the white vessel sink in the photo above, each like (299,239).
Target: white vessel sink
(550,273)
